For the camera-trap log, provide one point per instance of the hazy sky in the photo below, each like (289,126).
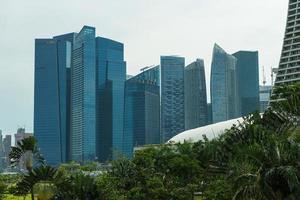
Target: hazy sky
(148,28)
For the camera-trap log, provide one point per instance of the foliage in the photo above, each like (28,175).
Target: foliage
(256,159)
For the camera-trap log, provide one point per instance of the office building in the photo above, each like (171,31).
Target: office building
(247,81)
(289,66)
(83,96)
(196,114)
(111,77)
(172,96)
(21,134)
(7,147)
(264,97)
(223,86)
(51,96)
(142,110)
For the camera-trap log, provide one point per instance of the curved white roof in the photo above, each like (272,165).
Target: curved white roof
(210,131)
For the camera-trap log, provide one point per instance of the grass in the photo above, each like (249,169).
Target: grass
(13,197)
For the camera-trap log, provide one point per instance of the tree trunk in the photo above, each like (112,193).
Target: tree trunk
(32,194)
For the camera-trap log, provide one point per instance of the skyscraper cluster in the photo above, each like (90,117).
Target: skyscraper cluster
(87,109)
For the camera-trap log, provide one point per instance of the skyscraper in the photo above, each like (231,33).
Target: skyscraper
(289,67)
(195,95)
(83,96)
(172,96)
(247,81)
(223,86)
(142,110)
(111,76)
(51,97)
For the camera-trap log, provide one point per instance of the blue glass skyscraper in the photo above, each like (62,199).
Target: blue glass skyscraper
(83,96)
(247,81)
(52,97)
(172,96)
(142,110)
(223,86)
(111,76)
(195,95)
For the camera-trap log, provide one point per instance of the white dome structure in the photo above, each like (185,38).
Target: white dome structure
(210,131)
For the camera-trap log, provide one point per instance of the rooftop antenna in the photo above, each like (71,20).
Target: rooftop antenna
(264,77)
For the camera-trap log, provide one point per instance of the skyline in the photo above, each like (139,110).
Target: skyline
(141,46)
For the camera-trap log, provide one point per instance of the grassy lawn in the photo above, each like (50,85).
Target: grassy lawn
(12,197)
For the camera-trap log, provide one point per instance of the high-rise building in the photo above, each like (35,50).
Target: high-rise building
(142,110)
(172,96)
(21,134)
(247,81)
(7,147)
(51,96)
(289,67)
(223,86)
(83,96)
(195,95)
(111,76)
(79,97)
(264,96)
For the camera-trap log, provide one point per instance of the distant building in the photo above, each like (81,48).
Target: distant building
(51,96)
(247,81)
(289,66)
(264,96)
(21,134)
(142,110)
(111,77)
(196,114)
(223,86)
(7,147)
(172,96)
(128,76)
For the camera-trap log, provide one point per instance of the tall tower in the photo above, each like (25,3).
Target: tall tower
(223,86)
(172,96)
(289,67)
(195,95)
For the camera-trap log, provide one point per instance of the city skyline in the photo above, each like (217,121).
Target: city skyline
(17,87)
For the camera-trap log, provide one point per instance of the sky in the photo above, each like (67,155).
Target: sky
(148,29)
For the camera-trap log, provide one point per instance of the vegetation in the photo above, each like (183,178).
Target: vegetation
(259,159)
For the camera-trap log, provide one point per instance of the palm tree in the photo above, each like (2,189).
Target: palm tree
(40,180)
(26,151)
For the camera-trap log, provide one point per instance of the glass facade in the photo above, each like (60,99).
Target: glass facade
(224,90)
(172,96)
(248,81)
(264,97)
(83,96)
(195,95)
(51,97)
(142,110)
(111,76)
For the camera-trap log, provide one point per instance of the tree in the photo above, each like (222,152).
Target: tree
(27,151)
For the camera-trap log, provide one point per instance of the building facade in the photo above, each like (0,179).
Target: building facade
(264,97)
(142,110)
(289,66)
(223,86)
(247,81)
(196,114)
(51,97)
(172,96)
(83,96)
(111,77)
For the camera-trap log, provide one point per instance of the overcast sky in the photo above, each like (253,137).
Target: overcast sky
(148,28)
